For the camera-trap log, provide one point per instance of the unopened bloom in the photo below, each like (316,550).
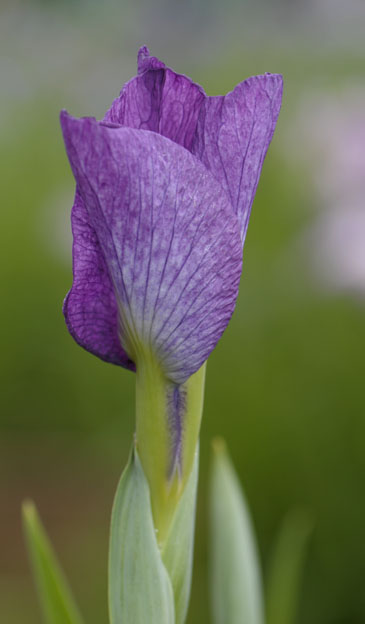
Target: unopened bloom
(161,213)
(165,185)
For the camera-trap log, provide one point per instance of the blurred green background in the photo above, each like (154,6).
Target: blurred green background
(285,385)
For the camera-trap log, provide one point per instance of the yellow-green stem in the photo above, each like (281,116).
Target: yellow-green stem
(154,436)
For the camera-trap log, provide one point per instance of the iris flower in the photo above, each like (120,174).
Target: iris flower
(164,189)
(165,185)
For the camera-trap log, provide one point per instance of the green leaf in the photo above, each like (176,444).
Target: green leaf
(236,590)
(177,553)
(56,600)
(139,586)
(286,567)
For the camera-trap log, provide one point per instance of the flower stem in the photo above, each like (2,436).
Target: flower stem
(168,418)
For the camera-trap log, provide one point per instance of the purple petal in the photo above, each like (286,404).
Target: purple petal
(90,307)
(229,134)
(169,238)
(232,137)
(160,100)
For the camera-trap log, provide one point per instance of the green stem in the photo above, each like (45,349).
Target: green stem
(168,421)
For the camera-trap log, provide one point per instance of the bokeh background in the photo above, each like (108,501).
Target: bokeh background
(286,383)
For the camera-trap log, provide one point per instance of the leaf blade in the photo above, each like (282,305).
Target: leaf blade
(286,567)
(139,586)
(178,551)
(55,596)
(236,589)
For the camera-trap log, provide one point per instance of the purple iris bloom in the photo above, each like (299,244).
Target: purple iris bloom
(164,188)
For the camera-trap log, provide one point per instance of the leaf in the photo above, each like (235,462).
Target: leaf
(177,553)
(286,567)
(55,596)
(139,586)
(236,591)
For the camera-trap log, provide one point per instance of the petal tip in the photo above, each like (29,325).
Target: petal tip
(147,62)
(72,126)
(278,78)
(67,122)
(64,116)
